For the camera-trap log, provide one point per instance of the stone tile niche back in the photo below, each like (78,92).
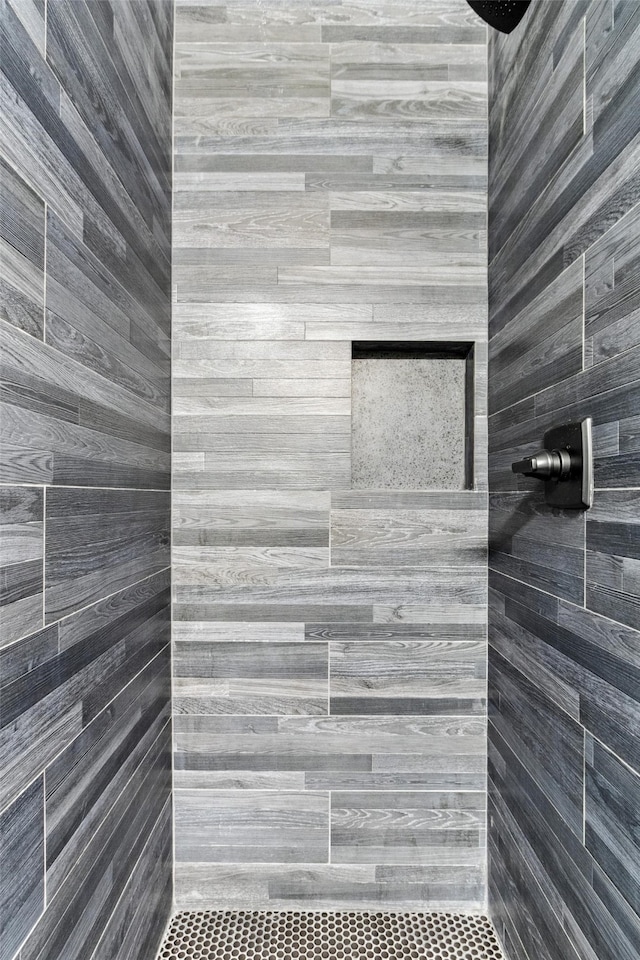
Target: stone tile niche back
(408,423)
(330,642)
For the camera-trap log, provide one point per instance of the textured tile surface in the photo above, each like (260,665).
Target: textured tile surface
(21,867)
(85,202)
(440,936)
(408,423)
(21,552)
(22,227)
(329,643)
(564,707)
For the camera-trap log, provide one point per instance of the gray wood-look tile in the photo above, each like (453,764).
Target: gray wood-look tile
(408,676)
(411,538)
(22,231)
(425,827)
(21,548)
(563,614)
(96,885)
(613,556)
(234,677)
(97,544)
(330,186)
(384,585)
(611,296)
(255,826)
(22,891)
(85,210)
(328,887)
(138,932)
(84,780)
(610,817)
(379,753)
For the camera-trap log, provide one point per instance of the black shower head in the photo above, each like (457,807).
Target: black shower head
(504,15)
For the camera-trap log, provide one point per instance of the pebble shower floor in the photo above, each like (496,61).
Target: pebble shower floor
(258,935)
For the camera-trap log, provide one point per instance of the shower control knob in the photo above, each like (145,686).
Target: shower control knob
(545,465)
(565,465)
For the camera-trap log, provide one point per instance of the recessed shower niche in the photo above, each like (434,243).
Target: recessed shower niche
(412,415)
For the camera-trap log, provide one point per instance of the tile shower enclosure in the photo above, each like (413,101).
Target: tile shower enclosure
(329,634)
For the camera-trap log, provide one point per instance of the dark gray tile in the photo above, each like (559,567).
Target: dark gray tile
(22,239)
(137,924)
(74,922)
(548,741)
(563,614)
(87,146)
(21,867)
(21,566)
(613,556)
(611,814)
(85,779)
(98,541)
(527,542)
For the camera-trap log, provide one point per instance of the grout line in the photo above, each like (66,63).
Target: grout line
(584,787)
(584,77)
(53,759)
(93,603)
(140,404)
(44,554)
(571,603)
(67,486)
(44,831)
(125,889)
(605,746)
(584,309)
(584,567)
(171,484)
(44,273)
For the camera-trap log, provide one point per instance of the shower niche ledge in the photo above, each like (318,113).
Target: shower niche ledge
(412,408)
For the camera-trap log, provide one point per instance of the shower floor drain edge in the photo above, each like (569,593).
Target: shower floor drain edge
(307,935)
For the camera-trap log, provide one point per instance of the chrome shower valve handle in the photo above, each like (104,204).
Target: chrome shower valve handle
(565,465)
(545,465)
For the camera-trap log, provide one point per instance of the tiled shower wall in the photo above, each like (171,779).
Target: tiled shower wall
(329,643)
(85,141)
(564,616)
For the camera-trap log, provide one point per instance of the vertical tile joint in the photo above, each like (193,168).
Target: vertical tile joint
(44,275)
(584,311)
(584,76)
(44,836)
(44,554)
(584,787)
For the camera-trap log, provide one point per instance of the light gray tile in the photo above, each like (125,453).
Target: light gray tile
(251,826)
(412,538)
(303,223)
